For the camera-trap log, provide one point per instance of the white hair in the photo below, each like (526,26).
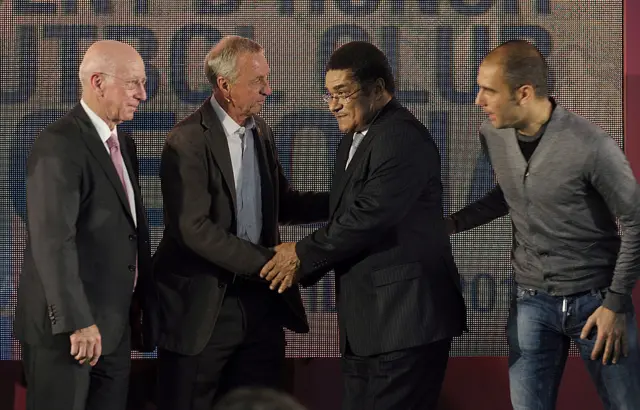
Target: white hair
(221,60)
(99,63)
(104,56)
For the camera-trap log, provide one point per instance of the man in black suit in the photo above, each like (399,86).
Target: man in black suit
(398,290)
(87,257)
(224,193)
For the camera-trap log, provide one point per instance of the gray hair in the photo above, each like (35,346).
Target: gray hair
(221,60)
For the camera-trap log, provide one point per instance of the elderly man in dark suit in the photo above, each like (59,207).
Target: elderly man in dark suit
(224,193)
(87,257)
(398,290)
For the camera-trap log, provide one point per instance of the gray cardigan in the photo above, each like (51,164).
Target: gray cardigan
(563,204)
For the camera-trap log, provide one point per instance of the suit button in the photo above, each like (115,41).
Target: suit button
(132,268)
(132,237)
(220,285)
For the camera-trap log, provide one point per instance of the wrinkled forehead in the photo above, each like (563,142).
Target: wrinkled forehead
(337,80)
(252,65)
(130,66)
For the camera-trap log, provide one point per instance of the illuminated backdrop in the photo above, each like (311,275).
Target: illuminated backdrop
(434,48)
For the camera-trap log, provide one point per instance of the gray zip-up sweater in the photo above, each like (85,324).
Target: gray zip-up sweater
(563,204)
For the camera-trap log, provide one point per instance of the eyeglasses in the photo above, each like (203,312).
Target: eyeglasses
(130,84)
(342,97)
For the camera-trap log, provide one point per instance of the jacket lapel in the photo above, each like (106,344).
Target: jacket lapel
(547,141)
(517,163)
(96,147)
(342,175)
(133,177)
(269,223)
(338,190)
(338,173)
(216,139)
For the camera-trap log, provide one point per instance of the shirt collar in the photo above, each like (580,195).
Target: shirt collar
(231,127)
(100,125)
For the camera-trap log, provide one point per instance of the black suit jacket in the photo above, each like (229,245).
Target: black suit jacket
(200,253)
(397,285)
(79,263)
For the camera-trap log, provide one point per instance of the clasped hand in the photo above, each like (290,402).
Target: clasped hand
(282,269)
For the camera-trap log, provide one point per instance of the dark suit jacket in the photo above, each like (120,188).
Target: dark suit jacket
(199,253)
(396,282)
(79,263)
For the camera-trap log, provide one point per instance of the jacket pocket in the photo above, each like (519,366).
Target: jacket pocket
(174,295)
(397,273)
(175,282)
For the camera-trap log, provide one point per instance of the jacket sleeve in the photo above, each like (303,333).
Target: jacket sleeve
(612,177)
(484,210)
(53,205)
(400,169)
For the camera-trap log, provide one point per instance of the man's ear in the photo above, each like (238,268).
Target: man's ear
(525,94)
(97,83)
(225,86)
(379,87)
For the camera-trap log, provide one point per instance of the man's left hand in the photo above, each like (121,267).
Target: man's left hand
(282,268)
(612,334)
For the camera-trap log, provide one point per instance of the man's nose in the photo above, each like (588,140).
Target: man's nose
(334,105)
(141,92)
(267,89)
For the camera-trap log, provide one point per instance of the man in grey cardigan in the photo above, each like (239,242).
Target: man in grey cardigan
(563,181)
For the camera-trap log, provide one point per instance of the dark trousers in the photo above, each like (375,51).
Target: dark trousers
(56,381)
(408,379)
(246,348)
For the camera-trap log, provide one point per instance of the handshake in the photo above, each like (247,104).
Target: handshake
(282,270)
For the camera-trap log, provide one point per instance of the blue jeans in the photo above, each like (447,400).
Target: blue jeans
(539,330)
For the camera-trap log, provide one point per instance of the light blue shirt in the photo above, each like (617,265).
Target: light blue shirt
(246,174)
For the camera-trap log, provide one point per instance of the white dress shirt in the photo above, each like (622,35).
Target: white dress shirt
(246,174)
(104,132)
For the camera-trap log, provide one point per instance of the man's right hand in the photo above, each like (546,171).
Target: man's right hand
(86,345)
